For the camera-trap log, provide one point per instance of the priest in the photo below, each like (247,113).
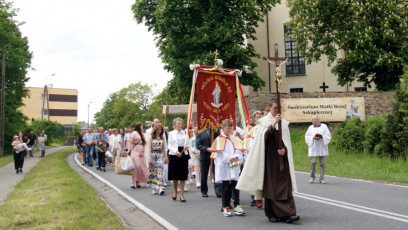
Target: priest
(317,139)
(269,172)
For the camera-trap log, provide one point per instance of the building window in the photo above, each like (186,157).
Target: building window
(296,90)
(45,112)
(360,89)
(296,64)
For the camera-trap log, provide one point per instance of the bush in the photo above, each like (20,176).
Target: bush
(76,129)
(373,133)
(349,135)
(50,128)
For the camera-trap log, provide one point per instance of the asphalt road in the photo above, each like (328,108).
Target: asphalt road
(340,204)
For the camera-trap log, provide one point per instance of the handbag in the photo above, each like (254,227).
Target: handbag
(108,155)
(127,163)
(118,167)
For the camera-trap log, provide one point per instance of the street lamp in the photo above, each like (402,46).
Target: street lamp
(3,95)
(88,112)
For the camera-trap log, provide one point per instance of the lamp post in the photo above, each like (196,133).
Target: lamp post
(88,112)
(3,94)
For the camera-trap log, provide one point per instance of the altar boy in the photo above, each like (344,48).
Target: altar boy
(227,155)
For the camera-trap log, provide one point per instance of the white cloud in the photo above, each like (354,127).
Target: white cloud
(94,46)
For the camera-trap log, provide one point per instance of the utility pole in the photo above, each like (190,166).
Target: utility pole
(88,112)
(3,95)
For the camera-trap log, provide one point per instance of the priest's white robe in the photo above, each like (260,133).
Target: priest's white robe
(252,176)
(319,147)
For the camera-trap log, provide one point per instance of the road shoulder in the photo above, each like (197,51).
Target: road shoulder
(130,214)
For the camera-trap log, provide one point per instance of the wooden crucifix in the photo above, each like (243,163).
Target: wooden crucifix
(276,61)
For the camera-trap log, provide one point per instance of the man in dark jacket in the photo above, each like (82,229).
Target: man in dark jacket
(203,143)
(31,142)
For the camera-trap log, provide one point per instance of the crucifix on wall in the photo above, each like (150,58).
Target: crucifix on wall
(324,87)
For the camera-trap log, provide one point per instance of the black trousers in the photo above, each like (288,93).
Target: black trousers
(19,159)
(227,188)
(101,156)
(205,168)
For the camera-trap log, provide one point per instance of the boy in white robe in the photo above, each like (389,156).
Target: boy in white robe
(317,138)
(227,155)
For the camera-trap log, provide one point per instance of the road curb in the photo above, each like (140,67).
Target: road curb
(164,223)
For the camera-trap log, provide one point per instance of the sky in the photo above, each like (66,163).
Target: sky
(94,46)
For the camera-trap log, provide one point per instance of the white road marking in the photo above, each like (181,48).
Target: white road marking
(358,208)
(360,180)
(146,210)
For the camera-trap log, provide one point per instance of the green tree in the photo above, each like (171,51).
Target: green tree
(126,107)
(395,137)
(50,128)
(188,31)
(76,129)
(372,34)
(18,61)
(104,116)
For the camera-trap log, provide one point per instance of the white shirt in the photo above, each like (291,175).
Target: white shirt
(176,139)
(318,147)
(115,142)
(222,162)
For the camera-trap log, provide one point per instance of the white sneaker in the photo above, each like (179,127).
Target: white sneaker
(239,211)
(198,185)
(227,212)
(155,191)
(161,191)
(185,189)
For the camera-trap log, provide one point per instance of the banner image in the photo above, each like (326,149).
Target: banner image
(215,93)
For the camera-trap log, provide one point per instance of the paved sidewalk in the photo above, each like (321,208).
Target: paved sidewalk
(9,179)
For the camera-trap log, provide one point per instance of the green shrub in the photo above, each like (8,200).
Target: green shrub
(349,135)
(374,129)
(50,128)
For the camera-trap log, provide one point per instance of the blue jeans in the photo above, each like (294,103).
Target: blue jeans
(96,156)
(89,150)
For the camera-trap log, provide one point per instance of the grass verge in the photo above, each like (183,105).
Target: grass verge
(353,165)
(53,196)
(4,160)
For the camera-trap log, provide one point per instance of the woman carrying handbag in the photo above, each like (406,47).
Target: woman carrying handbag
(136,146)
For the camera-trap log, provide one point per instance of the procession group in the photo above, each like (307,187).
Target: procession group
(258,163)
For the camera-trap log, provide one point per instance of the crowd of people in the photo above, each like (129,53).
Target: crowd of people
(23,143)
(256,163)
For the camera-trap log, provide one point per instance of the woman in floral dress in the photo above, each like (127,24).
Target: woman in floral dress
(157,159)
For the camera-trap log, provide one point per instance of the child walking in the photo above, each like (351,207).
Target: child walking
(101,147)
(228,157)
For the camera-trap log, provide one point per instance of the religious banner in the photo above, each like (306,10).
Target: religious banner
(215,94)
(328,109)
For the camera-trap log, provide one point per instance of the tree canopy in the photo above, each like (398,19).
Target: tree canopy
(188,31)
(18,61)
(372,34)
(126,107)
